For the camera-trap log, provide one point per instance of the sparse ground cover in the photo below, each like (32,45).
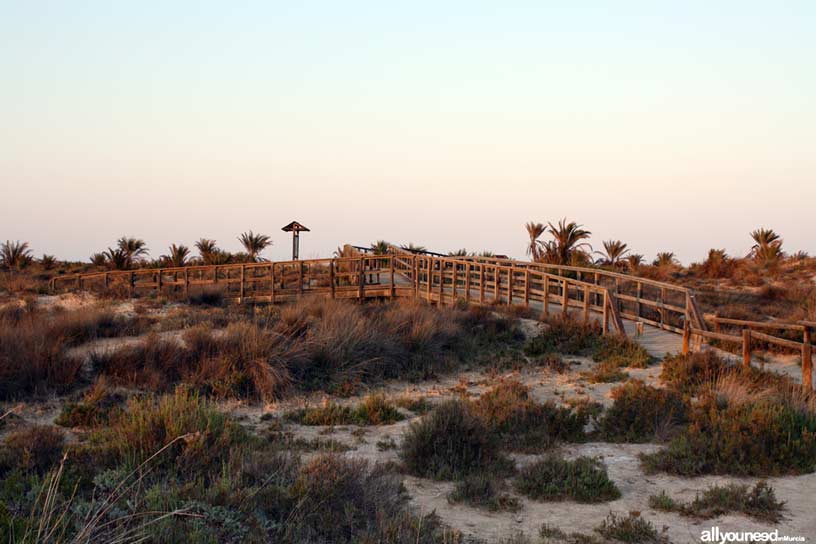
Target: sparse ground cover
(459,431)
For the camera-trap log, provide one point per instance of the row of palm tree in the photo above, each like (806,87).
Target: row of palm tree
(129,252)
(568,246)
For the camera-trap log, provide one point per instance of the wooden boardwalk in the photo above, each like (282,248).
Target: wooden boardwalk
(664,317)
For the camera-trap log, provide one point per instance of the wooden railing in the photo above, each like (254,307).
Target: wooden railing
(441,280)
(747,336)
(663,305)
(474,280)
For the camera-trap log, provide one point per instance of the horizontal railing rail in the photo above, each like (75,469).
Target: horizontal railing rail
(612,295)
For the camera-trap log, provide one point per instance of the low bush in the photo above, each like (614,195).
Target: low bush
(641,413)
(573,338)
(94,410)
(631,529)
(758,502)
(606,372)
(37,449)
(417,405)
(520,423)
(553,478)
(484,491)
(451,442)
(741,431)
(195,433)
(687,373)
(374,410)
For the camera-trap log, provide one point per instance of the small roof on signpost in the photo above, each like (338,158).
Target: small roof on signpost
(294,226)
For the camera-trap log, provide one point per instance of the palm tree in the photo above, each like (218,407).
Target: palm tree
(614,251)
(413,248)
(767,245)
(567,241)
(254,244)
(206,248)
(99,259)
(178,255)
(133,249)
(381,247)
(48,261)
(458,253)
(634,261)
(15,255)
(665,258)
(117,259)
(534,231)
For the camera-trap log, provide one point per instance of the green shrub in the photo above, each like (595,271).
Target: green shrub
(484,491)
(37,448)
(641,413)
(573,338)
(631,529)
(687,373)
(198,435)
(553,478)
(374,410)
(564,336)
(451,442)
(605,372)
(523,424)
(759,502)
(620,351)
(753,436)
(346,500)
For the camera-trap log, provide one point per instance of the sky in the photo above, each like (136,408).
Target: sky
(674,126)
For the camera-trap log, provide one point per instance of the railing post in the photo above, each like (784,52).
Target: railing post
(586,304)
(527,288)
(686,336)
(393,287)
(429,277)
(481,284)
(746,348)
(807,360)
(510,274)
(186,284)
(107,280)
(272,283)
(546,310)
(415,275)
(605,324)
(241,291)
(564,298)
(362,279)
(662,309)
(331,277)
(639,296)
(496,282)
(455,280)
(467,282)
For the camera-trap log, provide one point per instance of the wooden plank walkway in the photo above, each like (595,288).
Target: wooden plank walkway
(662,316)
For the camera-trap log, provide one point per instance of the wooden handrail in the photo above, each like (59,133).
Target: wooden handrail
(448,279)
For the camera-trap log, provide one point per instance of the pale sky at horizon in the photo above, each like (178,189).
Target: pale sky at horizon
(673,126)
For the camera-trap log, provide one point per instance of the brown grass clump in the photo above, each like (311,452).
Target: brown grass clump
(520,423)
(374,410)
(451,442)
(199,433)
(641,413)
(740,429)
(37,448)
(553,479)
(759,502)
(484,491)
